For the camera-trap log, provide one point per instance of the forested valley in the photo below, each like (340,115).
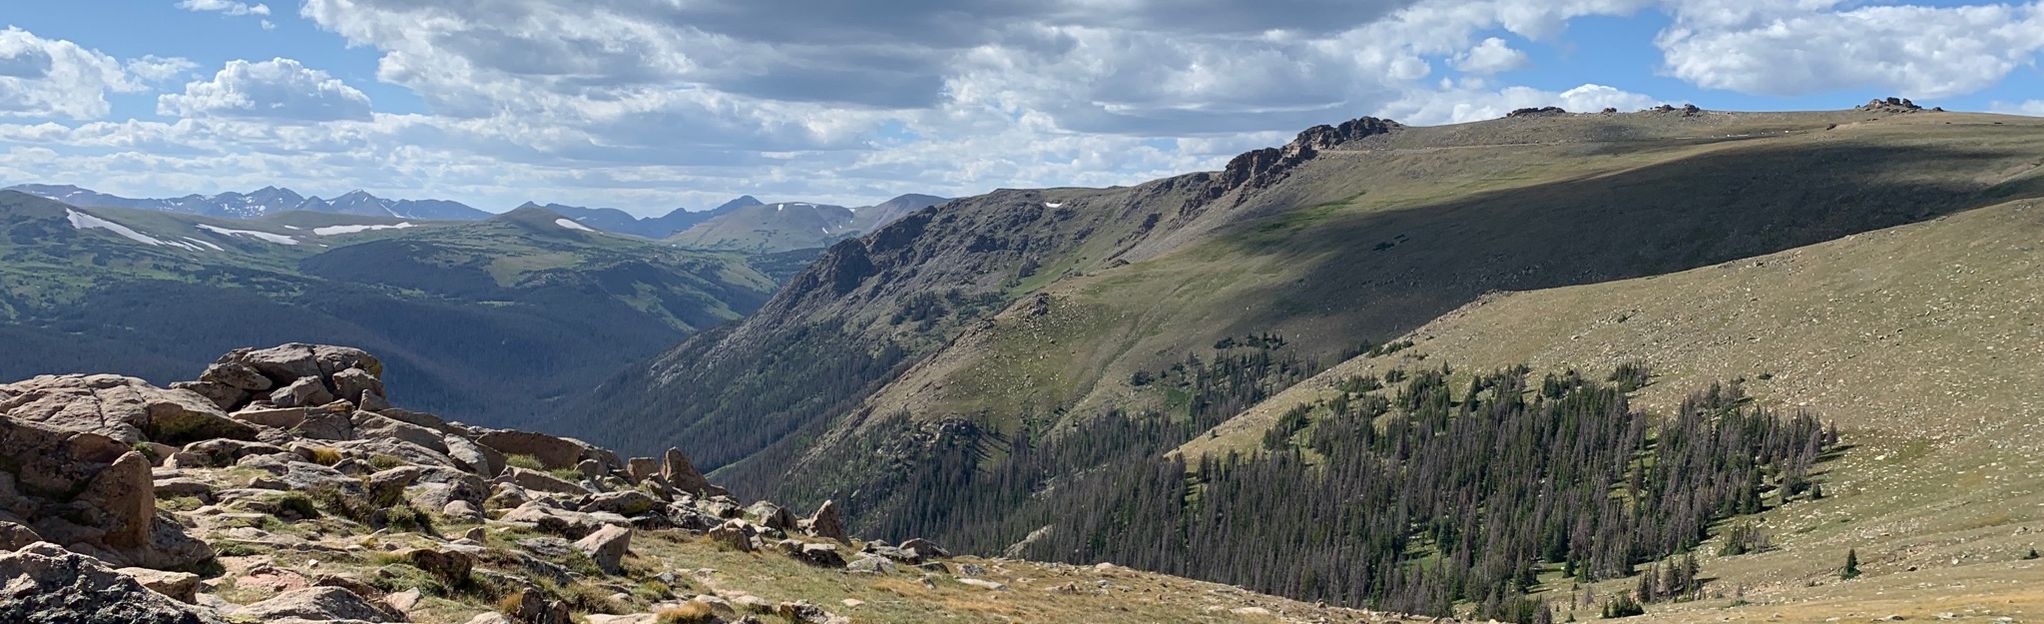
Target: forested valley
(1406,492)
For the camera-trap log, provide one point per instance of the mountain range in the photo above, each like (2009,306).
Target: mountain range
(1032,371)
(265,201)
(461,306)
(730,226)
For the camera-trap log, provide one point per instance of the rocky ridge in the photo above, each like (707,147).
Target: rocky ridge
(103,471)
(282,486)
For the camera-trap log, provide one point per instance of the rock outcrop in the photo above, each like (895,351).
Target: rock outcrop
(1258,169)
(43,583)
(1891,105)
(111,487)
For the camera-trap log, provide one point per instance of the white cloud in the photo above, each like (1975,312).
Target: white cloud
(1491,57)
(45,78)
(278,89)
(1462,104)
(155,69)
(1805,47)
(225,6)
(656,104)
(2033,108)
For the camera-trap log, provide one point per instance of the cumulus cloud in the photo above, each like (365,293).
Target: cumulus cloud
(278,89)
(1805,47)
(155,69)
(652,104)
(225,6)
(1462,104)
(56,78)
(1490,57)
(2033,108)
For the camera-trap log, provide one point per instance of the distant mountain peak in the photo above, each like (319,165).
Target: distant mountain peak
(743,201)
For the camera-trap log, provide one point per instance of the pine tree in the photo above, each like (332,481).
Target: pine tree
(1851,569)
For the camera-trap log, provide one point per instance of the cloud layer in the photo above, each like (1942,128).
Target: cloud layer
(648,104)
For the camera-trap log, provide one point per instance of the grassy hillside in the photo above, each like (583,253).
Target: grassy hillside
(1291,260)
(496,318)
(1921,341)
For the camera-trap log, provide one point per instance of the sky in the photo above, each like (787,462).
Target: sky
(650,105)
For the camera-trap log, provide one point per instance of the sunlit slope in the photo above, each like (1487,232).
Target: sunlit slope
(1378,242)
(1921,341)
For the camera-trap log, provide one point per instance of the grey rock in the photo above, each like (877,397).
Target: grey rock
(234,375)
(303,392)
(350,384)
(44,584)
(606,546)
(317,603)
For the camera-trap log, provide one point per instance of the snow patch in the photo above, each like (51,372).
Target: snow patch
(1053,205)
(82,221)
(572,225)
(356,229)
(261,236)
(204,244)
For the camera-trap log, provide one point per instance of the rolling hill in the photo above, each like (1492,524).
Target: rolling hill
(497,318)
(976,349)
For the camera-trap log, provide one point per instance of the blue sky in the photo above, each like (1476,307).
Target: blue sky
(648,106)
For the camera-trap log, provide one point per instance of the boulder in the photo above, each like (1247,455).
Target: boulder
(484,461)
(14,535)
(682,475)
(771,516)
(44,584)
(820,555)
(529,606)
(924,549)
(273,417)
(552,452)
(352,383)
(870,564)
(639,468)
(224,452)
(559,521)
(183,586)
(462,510)
(540,481)
(607,546)
(123,408)
(286,363)
(303,392)
(301,475)
(802,612)
(184,487)
(317,603)
(223,396)
(370,425)
(738,534)
(826,523)
(623,502)
(405,452)
(239,376)
(451,567)
(124,494)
